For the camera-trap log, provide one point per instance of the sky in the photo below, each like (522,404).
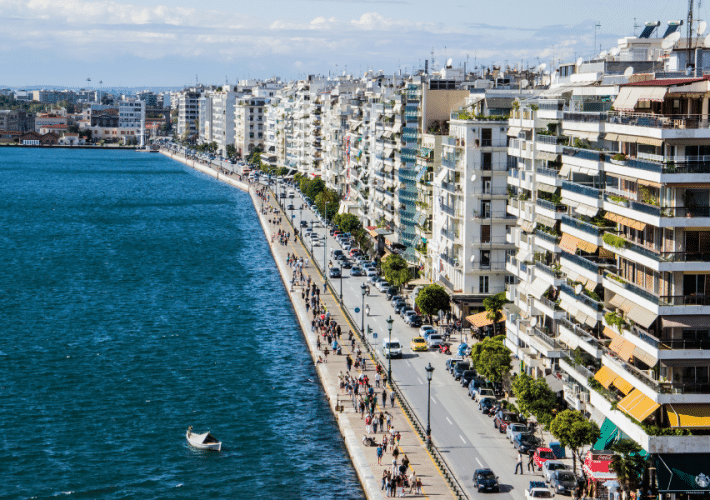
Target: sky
(174,43)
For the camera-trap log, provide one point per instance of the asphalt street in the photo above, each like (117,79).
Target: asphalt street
(460,431)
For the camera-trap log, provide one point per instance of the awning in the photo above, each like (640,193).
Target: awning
(388,152)
(528,226)
(546,188)
(514,131)
(638,405)
(650,141)
(573,243)
(625,221)
(538,287)
(609,332)
(569,202)
(605,376)
(397,107)
(641,316)
(608,434)
(623,385)
(544,155)
(655,94)
(591,322)
(627,99)
(565,170)
(397,127)
(586,210)
(522,256)
(554,383)
(388,168)
(622,347)
(689,416)
(569,243)
(481,319)
(569,339)
(545,221)
(617,343)
(683,473)
(611,137)
(581,317)
(647,358)
(685,321)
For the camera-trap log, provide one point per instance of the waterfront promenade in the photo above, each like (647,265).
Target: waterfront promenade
(351,425)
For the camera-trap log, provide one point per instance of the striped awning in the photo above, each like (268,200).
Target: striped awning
(650,141)
(586,210)
(545,221)
(514,131)
(638,405)
(574,242)
(546,188)
(481,319)
(641,316)
(689,416)
(645,357)
(625,221)
(565,170)
(528,226)
(539,287)
(623,385)
(544,155)
(569,243)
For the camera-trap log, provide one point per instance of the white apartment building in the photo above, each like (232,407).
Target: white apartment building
(249,123)
(223,118)
(131,118)
(188,106)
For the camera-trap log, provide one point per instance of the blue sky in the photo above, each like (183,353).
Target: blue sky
(159,43)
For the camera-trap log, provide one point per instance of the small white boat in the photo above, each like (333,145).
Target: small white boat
(204,441)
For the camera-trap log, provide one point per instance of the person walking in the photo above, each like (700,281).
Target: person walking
(384,477)
(519,463)
(392,399)
(531,461)
(379,461)
(377,379)
(384,398)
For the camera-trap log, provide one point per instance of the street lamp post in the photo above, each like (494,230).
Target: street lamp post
(341,283)
(390,321)
(429,373)
(363,289)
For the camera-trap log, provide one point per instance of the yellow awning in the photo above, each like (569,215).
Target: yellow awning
(610,333)
(627,350)
(481,319)
(640,226)
(638,405)
(690,416)
(605,376)
(569,243)
(617,344)
(623,385)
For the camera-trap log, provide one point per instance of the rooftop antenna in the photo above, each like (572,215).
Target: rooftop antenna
(597,25)
(636,26)
(689,43)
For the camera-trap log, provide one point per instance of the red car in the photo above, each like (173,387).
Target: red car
(354,252)
(542,455)
(503,418)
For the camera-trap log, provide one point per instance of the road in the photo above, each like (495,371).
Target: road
(461,433)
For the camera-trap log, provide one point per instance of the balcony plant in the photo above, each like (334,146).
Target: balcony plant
(619,159)
(614,240)
(616,320)
(619,200)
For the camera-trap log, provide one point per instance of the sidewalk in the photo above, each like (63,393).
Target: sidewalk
(349,420)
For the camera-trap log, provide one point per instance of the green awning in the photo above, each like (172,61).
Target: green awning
(683,473)
(424,152)
(607,436)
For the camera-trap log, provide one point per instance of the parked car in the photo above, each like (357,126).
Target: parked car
(503,418)
(514,429)
(476,387)
(484,392)
(396,298)
(486,403)
(419,344)
(563,482)
(335,272)
(425,328)
(347,245)
(369,272)
(537,490)
(485,480)
(451,362)
(468,377)
(434,341)
(414,321)
(391,292)
(304,223)
(382,286)
(460,368)
(399,306)
(346,264)
(337,253)
(356,271)
(541,456)
(407,309)
(550,466)
(525,441)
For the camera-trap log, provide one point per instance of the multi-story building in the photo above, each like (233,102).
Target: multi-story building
(16,120)
(131,119)
(250,123)
(222,131)
(188,106)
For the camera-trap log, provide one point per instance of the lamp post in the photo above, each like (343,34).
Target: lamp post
(429,373)
(363,289)
(325,236)
(341,283)
(300,216)
(390,321)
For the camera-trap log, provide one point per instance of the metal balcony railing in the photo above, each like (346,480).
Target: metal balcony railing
(633,288)
(584,154)
(584,226)
(549,172)
(657,121)
(548,270)
(588,301)
(551,139)
(582,189)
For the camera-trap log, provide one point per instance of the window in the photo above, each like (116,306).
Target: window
(486,233)
(483,284)
(485,258)
(486,185)
(486,137)
(485,209)
(486,161)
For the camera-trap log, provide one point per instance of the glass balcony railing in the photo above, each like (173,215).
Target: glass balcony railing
(551,206)
(547,237)
(548,270)
(584,226)
(645,208)
(549,172)
(657,121)
(582,189)
(584,117)
(588,301)
(633,288)
(551,139)
(584,154)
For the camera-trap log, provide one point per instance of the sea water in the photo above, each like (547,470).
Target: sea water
(139,297)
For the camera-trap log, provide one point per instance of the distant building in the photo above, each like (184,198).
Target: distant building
(16,120)
(45,119)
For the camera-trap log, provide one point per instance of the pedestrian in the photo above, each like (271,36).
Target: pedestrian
(405,460)
(368,424)
(394,466)
(392,399)
(377,380)
(382,420)
(412,481)
(519,463)
(419,486)
(395,452)
(379,460)
(385,442)
(398,436)
(349,362)
(384,474)
(531,461)
(384,397)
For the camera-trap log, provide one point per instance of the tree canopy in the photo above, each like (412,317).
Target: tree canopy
(494,305)
(628,464)
(432,299)
(534,398)
(347,223)
(574,431)
(311,187)
(328,199)
(491,358)
(396,270)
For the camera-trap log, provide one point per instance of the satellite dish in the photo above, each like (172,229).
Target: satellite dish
(629,71)
(449,62)
(533,322)
(473,178)
(702,26)
(578,289)
(667,44)
(543,66)
(614,51)
(706,41)
(603,54)
(579,62)
(524,84)
(674,36)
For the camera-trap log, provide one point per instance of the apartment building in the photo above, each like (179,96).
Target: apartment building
(249,123)
(188,105)
(16,120)
(610,302)
(131,119)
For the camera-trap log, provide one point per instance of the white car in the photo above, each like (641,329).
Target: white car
(550,466)
(370,272)
(514,429)
(382,285)
(434,340)
(426,328)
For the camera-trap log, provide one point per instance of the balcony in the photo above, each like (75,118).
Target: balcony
(547,241)
(582,339)
(584,227)
(587,301)
(588,195)
(451,211)
(451,187)
(452,261)
(584,117)
(549,272)
(548,176)
(548,308)
(452,235)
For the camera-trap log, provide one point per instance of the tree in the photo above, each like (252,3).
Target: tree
(312,187)
(231,151)
(332,198)
(574,431)
(494,305)
(628,464)
(432,299)
(535,398)
(396,270)
(348,223)
(491,358)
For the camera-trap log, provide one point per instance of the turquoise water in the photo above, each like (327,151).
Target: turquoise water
(138,297)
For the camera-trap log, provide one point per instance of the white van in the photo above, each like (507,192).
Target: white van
(391,348)
(291,193)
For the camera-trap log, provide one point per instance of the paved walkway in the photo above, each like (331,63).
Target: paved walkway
(351,424)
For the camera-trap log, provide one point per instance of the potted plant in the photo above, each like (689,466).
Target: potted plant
(619,159)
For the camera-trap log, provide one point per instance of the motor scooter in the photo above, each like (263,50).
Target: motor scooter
(445,349)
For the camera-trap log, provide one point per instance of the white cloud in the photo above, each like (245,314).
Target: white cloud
(319,23)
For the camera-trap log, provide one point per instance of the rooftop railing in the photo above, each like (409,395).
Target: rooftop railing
(657,121)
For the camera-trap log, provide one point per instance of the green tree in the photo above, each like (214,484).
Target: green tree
(332,198)
(231,151)
(395,269)
(494,305)
(432,299)
(628,464)
(348,223)
(574,431)
(491,358)
(312,187)
(534,397)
